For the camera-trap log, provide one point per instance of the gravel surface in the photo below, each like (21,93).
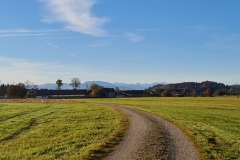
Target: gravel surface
(152,138)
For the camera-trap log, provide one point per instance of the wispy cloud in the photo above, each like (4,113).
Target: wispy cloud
(76,15)
(23,35)
(176,28)
(13,69)
(134,37)
(56,47)
(25,32)
(50,44)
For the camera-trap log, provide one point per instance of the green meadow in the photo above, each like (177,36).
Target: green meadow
(212,123)
(58,130)
(84,129)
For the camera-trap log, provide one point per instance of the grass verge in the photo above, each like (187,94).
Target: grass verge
(64,129)
(212,123)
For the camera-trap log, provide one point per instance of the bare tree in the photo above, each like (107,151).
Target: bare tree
(117,89)
(30,85)
(59,84)
(16,91)
(95,90)
(75,83)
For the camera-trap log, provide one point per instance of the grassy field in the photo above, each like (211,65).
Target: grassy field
(58,130)
(212,123)
(78,129)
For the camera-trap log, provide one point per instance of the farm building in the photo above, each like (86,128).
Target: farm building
(45,93)
(107,93)
(83,93)
(131,93)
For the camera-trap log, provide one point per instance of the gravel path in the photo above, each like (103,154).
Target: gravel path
(150,137)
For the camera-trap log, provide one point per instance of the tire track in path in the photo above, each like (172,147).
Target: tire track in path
(152,138)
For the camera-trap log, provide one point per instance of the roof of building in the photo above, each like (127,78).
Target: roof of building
(61,92)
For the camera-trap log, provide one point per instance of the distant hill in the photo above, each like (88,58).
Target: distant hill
(121,86)
(236,85)
(206,88)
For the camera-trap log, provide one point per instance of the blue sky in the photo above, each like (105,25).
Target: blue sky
(135,41)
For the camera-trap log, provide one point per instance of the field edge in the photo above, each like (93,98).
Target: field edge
(114,139)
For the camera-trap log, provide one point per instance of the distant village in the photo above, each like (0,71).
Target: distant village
(29,90)
(186,89)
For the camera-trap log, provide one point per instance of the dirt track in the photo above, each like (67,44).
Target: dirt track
(151,137)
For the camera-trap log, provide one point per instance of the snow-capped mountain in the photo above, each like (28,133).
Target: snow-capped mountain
(121,86)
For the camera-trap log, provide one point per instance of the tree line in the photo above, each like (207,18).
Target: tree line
(186,89)
(20,90)
(13,91)
(95,89)
(193,89)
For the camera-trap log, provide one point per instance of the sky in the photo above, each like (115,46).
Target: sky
(131,41)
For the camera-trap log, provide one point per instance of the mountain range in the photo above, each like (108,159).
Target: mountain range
(121,86)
